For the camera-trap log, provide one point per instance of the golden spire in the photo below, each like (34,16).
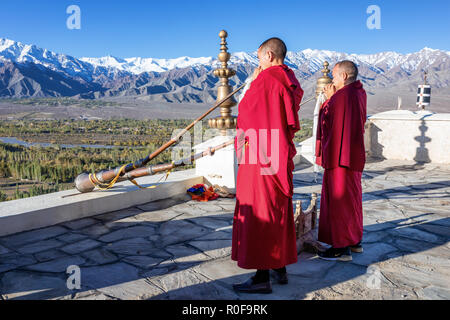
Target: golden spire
(226,120)
(324,80)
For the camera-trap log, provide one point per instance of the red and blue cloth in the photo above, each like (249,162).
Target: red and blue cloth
(202,193)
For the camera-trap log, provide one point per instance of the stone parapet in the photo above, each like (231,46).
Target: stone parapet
(50,209)
(406,135)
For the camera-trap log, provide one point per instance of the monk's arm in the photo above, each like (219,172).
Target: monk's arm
(291,110)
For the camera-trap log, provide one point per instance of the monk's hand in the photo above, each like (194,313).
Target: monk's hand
(329,90)
(256,73)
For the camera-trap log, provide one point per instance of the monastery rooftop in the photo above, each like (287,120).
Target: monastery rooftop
(176,248)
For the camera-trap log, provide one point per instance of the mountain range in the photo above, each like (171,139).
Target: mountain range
(30,71)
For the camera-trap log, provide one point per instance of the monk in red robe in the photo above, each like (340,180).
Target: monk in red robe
(263,225)
(340,151)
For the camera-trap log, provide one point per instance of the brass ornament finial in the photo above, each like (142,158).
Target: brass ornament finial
(226,120)
(324,80)
(223,34)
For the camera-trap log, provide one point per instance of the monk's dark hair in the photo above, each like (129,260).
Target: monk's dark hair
(350,68)
(276,45)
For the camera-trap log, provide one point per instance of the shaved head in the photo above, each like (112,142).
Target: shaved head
(349,68)
(276,46)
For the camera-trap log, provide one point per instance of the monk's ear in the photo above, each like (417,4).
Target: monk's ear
(271,55)
(345,76)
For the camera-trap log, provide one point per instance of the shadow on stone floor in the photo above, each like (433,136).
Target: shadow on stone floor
(308,179)
(147,263)
(129,273)
(407,167)
(137,241)
(303,277)
(406,191)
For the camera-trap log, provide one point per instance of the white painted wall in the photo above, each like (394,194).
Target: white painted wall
(220,168)
(421,136)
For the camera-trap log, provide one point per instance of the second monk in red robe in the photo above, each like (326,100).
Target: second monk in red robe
(263,226)
(340,151)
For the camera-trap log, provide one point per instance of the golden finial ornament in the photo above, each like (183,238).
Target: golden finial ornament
(324,80)
(226,120)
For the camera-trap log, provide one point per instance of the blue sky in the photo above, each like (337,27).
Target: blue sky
(169,29)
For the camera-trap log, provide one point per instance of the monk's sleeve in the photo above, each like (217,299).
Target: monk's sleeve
(347,134)
(236,138)
(352,153)
(291,109)
(319,134)
(239,141)
(343,123)
(332,139)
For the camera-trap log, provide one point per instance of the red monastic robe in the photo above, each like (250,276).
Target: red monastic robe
(340,150)
(263,223)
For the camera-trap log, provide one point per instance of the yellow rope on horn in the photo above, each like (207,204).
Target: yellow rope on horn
(155,185)
(99,185)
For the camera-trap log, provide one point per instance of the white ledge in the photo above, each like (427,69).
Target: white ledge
(50,209)
(407,115)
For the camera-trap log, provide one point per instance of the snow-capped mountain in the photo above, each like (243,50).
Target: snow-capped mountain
(379,62)
(27,70)
(23,53)
(139,65)
(18,52)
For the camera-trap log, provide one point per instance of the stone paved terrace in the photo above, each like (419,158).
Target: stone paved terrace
(180,249)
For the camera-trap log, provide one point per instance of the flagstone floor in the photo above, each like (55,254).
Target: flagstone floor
(180,249)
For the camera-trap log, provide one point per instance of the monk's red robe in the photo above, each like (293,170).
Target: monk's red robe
(340,151)
(263,223)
